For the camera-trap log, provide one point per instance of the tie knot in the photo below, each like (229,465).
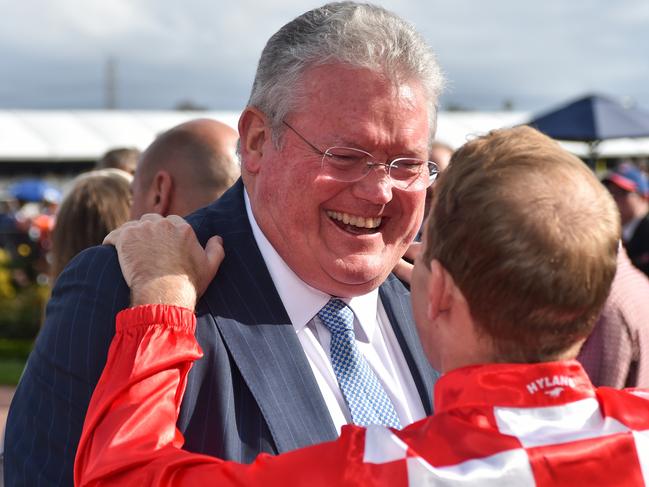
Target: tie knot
(337,316)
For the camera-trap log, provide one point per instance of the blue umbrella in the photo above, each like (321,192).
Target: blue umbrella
(35,190)
(593,118)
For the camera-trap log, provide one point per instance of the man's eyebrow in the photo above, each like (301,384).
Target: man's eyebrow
(370,147)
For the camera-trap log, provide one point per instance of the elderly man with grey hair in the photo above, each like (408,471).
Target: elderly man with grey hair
(304,329)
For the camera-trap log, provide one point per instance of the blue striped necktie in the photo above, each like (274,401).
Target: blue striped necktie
(367,400)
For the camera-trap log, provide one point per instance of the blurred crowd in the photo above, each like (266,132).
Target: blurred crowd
(42,227)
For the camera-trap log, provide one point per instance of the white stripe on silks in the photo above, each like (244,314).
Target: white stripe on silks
(382,446)
(554,425)
(506,469)
(642,394)
(641,439)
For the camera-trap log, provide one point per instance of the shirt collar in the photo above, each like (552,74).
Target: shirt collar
(513,385)
(301,301)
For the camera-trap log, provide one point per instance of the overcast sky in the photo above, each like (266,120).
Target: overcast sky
(53,53)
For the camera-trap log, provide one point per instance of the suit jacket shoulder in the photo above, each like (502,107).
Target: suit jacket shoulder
(48,409)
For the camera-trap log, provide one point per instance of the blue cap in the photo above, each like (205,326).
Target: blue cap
(629,178)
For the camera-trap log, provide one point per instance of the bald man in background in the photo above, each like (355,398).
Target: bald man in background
(185,168)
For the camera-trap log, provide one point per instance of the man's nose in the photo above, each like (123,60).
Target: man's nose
(375,186)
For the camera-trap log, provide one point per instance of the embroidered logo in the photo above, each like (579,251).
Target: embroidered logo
(553,386)
(556,392)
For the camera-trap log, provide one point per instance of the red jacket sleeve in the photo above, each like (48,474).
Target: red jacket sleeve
(130,437)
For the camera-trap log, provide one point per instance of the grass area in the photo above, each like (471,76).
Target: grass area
(10,371)
(13,355)
(10,348)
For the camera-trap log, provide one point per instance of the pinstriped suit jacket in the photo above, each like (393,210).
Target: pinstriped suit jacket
(253,391)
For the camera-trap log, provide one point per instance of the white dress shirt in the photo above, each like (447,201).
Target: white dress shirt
(375,337)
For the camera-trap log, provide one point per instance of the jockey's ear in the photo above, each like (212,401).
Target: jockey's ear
(440,290)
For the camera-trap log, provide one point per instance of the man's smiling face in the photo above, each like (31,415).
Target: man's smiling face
(343,238)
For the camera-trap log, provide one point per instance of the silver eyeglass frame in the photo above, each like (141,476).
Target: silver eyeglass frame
(433,169)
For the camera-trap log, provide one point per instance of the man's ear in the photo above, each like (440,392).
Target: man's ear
(441,287)
(253,133)
(163,188)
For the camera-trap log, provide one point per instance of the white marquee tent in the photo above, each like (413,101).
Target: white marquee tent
(84,135)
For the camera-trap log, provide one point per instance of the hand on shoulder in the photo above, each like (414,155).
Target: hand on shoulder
(163,262)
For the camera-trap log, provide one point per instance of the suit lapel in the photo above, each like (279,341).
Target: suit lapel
(263,344)
(277,373)
(396,301)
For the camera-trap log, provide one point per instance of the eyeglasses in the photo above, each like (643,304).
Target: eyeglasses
(349,165)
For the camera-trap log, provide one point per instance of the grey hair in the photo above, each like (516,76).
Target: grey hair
(357,34)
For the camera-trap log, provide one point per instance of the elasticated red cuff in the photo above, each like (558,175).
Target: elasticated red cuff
(156,314)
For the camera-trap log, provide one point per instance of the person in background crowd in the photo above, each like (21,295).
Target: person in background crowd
(98,202)
(124,158)
(8,224)
(334,149)
(502,301)
(440,154)
(616,353)
(185,168)
(630,189)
